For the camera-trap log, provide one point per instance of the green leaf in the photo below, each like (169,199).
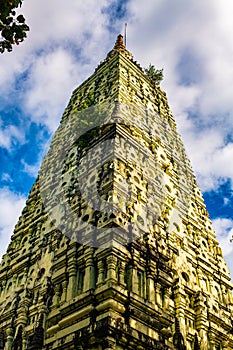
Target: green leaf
(7,34)
(12,29)
(20,19)
(154,75)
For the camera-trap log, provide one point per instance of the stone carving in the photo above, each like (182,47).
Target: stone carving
(115,248)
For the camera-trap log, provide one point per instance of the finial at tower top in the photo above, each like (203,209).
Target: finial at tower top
(119,47)
(119,44)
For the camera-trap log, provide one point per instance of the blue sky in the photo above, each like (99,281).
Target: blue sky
(191,40)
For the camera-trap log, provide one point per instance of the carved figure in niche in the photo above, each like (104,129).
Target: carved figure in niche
(200,299)
(49,292)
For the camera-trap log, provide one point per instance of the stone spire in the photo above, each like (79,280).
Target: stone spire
(114,248)
(119,44)
(119,47)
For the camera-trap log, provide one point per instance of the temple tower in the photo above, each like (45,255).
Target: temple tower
(114,248)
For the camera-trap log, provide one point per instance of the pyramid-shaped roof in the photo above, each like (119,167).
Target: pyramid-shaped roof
(115,247)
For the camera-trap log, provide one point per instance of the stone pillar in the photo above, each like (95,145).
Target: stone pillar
(23,310)
(111,266)
(4,287)
(100,272)
(201,321)
(180,305)
(211,284)
(181,317)
(72,269)
(150,287)
(230,300)
(207,342)
(9,338)
(158,299)
(64,291)
(56,295)
(89,282)
(122,273)
(24,341)
(134,278)
(224,295)
(167,298)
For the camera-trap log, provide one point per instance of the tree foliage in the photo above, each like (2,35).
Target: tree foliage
(12,26)
(155,75)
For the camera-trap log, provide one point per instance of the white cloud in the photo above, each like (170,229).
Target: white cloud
(226,201)
(224,231)
(208,153)
(31,170)
(59,21)
(162,33)
(10,135)
(211,156)
(65,42)
(11,205)
(51,80)
(6,177)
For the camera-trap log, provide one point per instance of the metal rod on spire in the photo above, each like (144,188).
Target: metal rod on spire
(125,33)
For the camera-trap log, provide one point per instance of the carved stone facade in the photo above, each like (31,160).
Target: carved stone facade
(115,248)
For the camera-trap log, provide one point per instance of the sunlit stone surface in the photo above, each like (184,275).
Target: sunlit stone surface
(115,248)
